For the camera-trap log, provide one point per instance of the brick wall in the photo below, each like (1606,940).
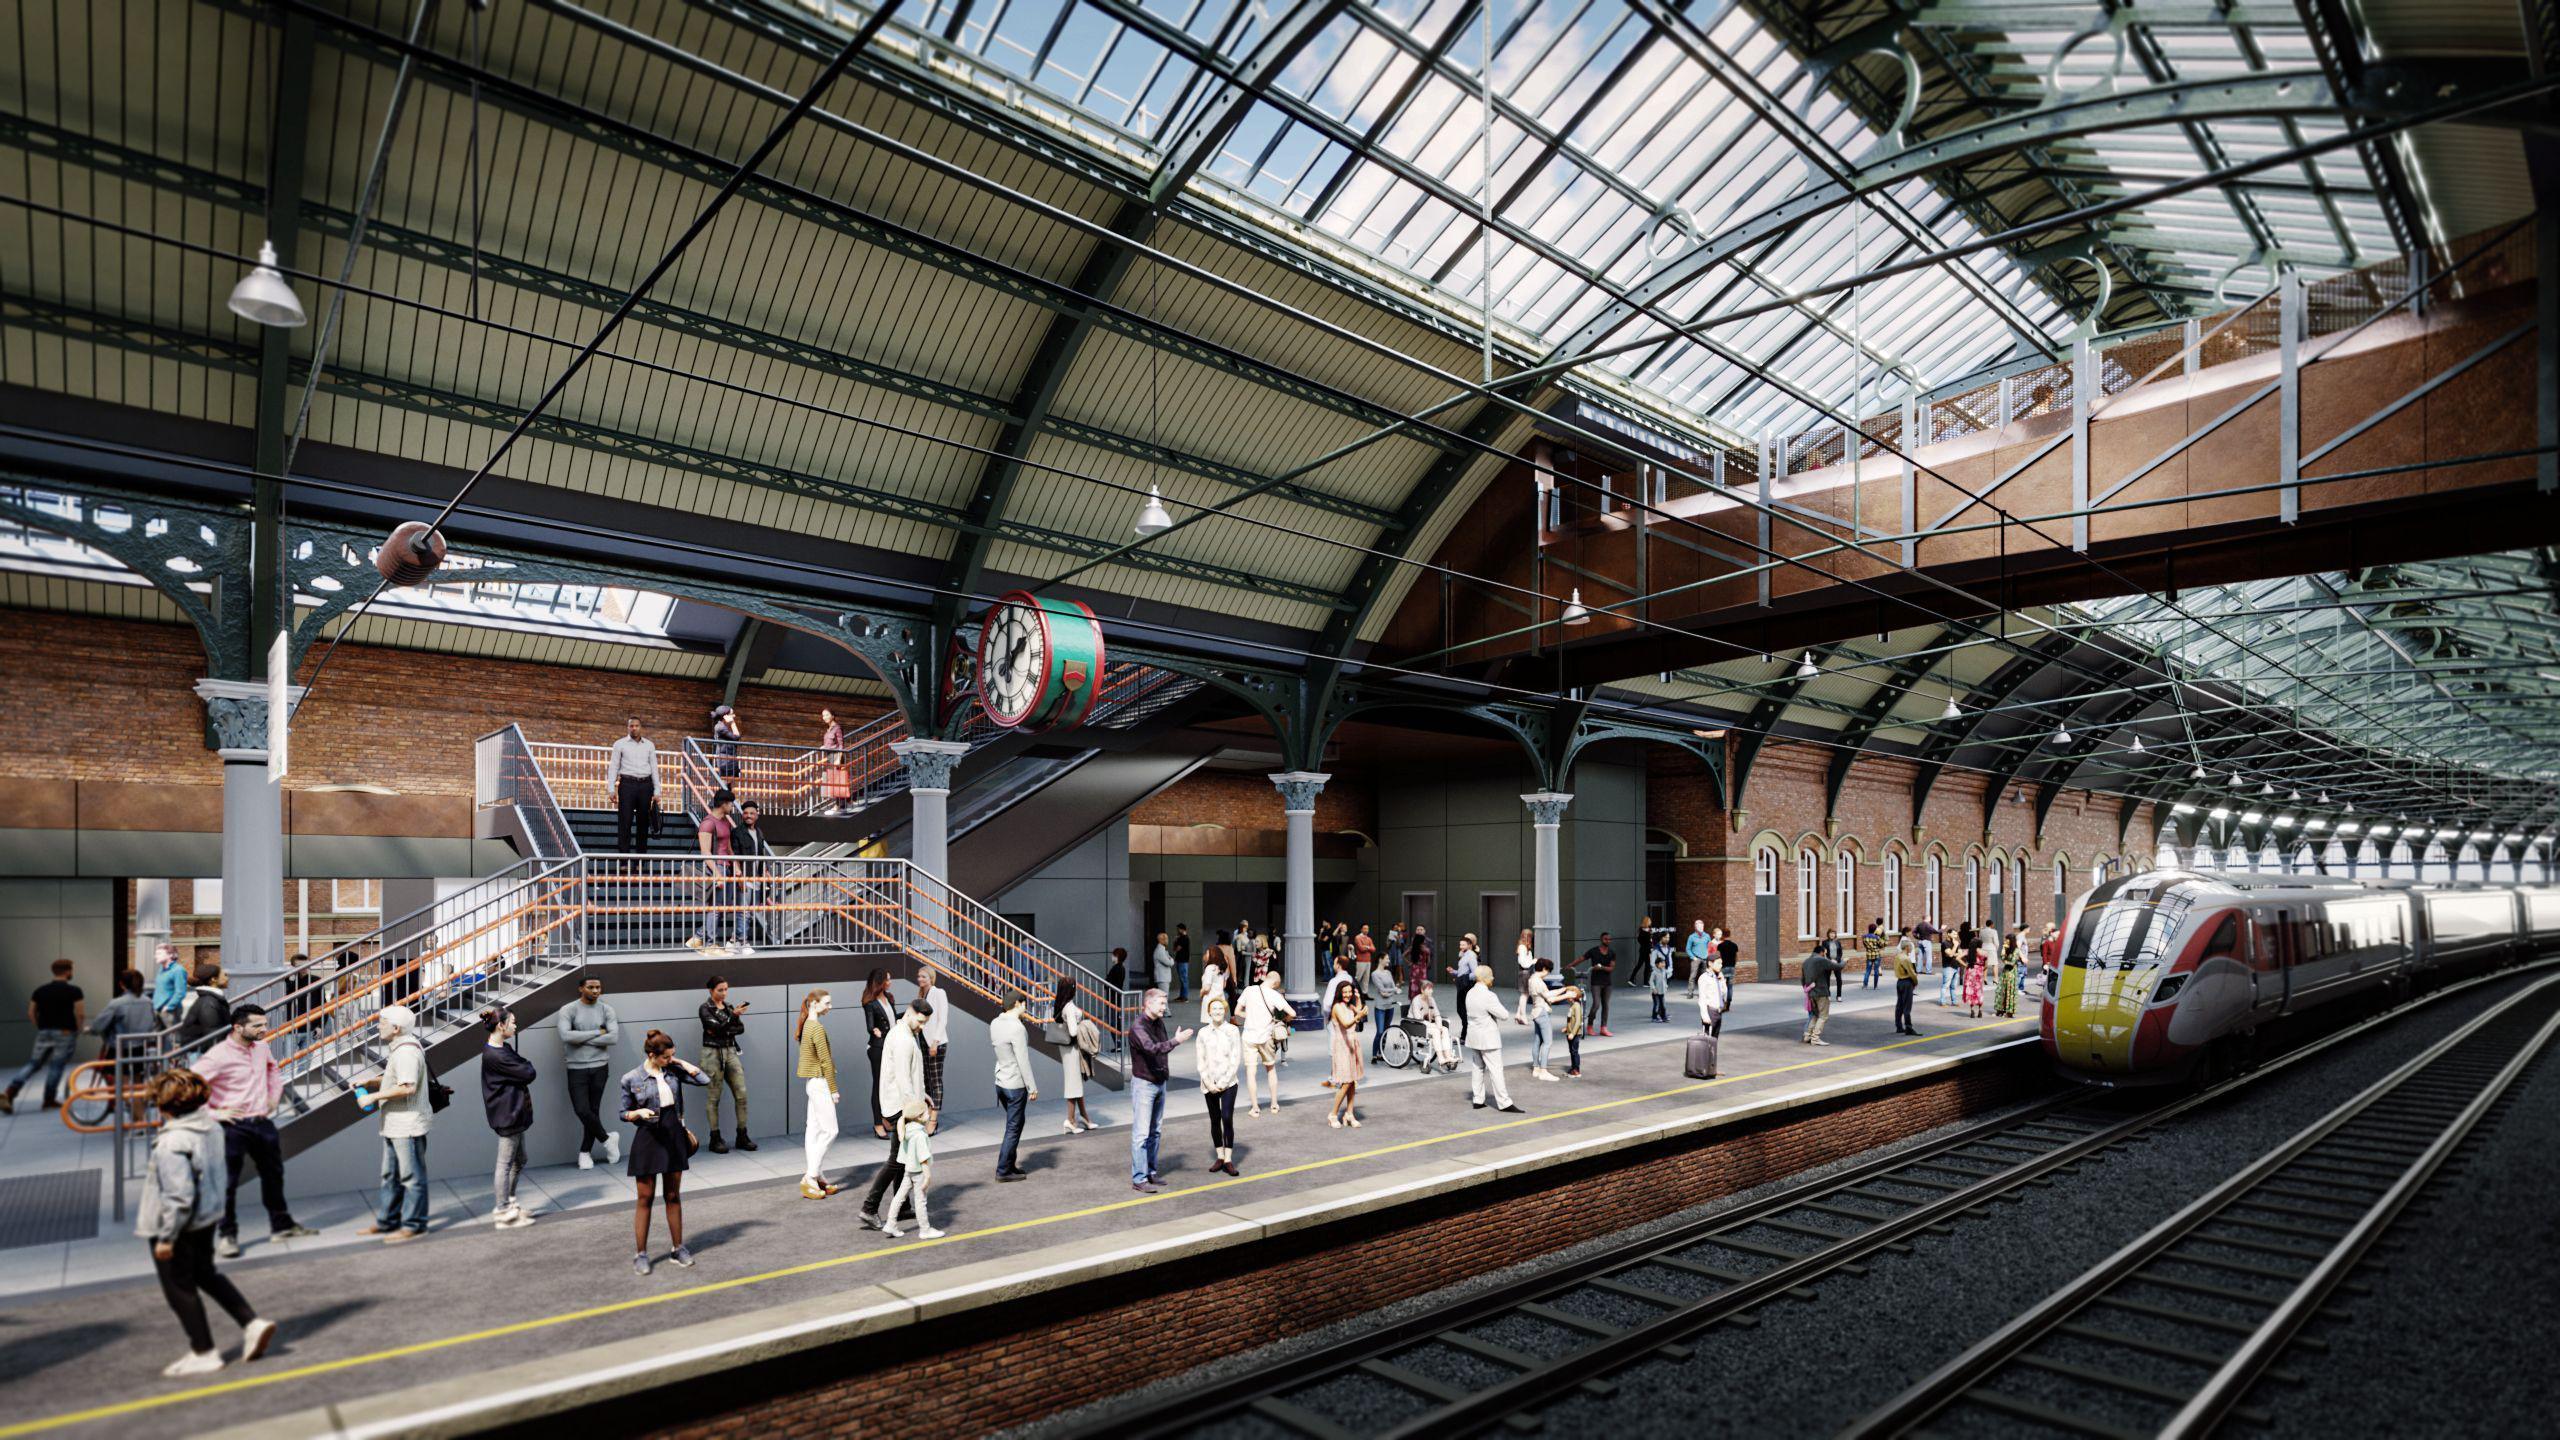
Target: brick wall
(1243,801)
(985,1369)
(1784,805)
(114,700)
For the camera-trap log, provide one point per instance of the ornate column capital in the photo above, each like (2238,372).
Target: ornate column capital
(238,712)
(929,762)
(1298,790)
(1546,807)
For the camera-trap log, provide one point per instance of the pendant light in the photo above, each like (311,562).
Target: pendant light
(2062,736)
(1952,712)
(2199,773)
(1574,613)
(2136,746)
(1806,669)
(263,296)
(1152,519)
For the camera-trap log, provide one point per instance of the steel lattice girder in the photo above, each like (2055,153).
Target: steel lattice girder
(1941,747)
(383,390)
(1905,671)
(173,545)
(1757,727)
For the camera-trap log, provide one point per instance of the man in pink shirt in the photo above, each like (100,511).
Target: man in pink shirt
(243,1082)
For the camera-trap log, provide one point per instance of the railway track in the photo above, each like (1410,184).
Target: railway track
(1468,1365)
(2168,1335)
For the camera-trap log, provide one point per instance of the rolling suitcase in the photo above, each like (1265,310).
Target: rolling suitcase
(1701,1062)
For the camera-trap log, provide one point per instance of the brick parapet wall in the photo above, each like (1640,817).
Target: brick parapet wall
(1009,1364)
(1237,800)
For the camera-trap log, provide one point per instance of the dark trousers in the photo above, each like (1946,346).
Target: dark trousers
(633,799)
(586,1092)
(1573,1053)
(1902,991)
(255,1141)
(1660,1012)
(187,1277)
(872,1090)
(886,1181)
(1016,1105)
(1600,1003)
(1222,1116)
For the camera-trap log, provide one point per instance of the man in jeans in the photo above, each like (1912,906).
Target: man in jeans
(633,775)
(1150,1050)
(1386,992)
(59,1013)
(724,1028)
(1602,961)
(1820,970)
(243,1082)
(400,1098)
(588,1028)
(1014,1088)
(717,837)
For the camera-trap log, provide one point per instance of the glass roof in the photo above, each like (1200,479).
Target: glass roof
(1611,148)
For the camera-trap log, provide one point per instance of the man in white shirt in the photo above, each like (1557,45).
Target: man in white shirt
(936,1038)
(633,774)
(901,1085)
(399,1097)
(1015,1089)
(1484,1042)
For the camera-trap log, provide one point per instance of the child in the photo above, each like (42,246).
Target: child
(1573,1028)
(915,1152)
(1973,984)
(182,1201)
(1658,979)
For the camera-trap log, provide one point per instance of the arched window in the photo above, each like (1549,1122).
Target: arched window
(2164,856)
(1893,890)
(2469,866)
(1972,891)
(1764,870)
(2204,857)
(2333,858)
(2537,863)
(2437,867)
(2404,862)
(1844,890)
(2368,858)
(2269,861)
(1929,910)
(1807,891)
(2018,887)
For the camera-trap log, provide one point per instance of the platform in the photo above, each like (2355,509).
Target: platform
(376,1341)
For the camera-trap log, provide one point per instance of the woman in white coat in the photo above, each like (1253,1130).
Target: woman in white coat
(1484,1042)
(1220,1056)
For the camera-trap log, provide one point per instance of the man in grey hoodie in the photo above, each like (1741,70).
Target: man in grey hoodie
(588,1028)
(182,1202)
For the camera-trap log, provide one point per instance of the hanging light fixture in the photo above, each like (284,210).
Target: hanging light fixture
(2062,736)
(1806,669)
(2267,789)
(2294,795)
(2324,797)
(1152,519)
(1574,613)
(2199,773)
(1952,712)
(263,296)
(2136,746)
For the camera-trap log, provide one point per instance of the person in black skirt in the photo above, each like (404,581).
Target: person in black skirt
(879,1012)
(653,1102)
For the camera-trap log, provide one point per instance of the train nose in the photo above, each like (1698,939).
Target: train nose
(2095,1019)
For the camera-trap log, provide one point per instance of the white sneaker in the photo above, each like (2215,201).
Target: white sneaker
(1071,1128)
(741,948)
(200,1364)
(927,1232)
(514,1219)
(613,1149)
(586,1161)
(697,944)
(893,1232)
(255,1337)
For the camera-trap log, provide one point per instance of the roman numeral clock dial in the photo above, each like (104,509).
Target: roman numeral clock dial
(1039,662)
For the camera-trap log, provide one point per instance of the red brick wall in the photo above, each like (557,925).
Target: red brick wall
(1241,801)
(987,1369)
(1785,795)
(114,700)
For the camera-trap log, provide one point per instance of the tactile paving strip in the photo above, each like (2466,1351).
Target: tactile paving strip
(43,1209)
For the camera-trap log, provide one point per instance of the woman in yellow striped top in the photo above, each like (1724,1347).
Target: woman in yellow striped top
(818,1076)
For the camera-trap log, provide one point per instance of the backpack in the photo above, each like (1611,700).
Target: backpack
(1573,1021)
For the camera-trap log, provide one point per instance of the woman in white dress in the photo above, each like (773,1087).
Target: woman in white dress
(1215,966)
(1072,1056)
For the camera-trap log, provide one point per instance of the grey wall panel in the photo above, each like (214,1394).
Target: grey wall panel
(146,852)
(41,921)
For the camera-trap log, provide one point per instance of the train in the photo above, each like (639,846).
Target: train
(2167,975)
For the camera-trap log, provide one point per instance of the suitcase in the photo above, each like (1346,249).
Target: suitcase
(838,782)
(1701,1063)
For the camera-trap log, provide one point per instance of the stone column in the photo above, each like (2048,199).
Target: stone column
(929,764)
(1298,790)
(150,925)
(1546,923)
(253,943)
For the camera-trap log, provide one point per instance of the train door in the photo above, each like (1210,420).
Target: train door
(2273,958)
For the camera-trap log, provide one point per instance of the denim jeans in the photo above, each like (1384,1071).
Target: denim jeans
(1146,1126)
(1385,1016)
(1540,1035)
(1660,1011)
(720,915)
(404,1182)
(53,1053)
(1947,985)
(1015,1103)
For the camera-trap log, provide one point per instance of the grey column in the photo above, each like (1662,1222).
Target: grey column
(1298,791)
(1546,923)
(150,925)
(253,943)
(929,764)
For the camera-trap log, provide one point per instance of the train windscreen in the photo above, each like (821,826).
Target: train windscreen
(2132,927)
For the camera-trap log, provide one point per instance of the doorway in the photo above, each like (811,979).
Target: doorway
(1422,907)
(1501,921)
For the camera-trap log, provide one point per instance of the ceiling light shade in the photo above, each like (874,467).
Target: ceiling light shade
(2350,807)
(2293,795)
(2324,797)
(2136,746)
(1152,519)
(263,296)
(1951,712)
(1574,613)
(2267,789)
(2198,773)
(2062,736)
(1806,669)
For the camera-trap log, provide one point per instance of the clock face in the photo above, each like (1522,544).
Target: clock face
(1013,662)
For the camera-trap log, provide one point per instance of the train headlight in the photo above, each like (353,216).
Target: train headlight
(2168,989)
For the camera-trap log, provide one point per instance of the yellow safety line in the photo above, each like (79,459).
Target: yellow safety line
(519,1327)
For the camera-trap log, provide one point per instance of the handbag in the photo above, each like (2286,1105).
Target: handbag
(1055,1036)
(692,1142)
(837,783)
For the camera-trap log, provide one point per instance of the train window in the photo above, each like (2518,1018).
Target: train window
(2226,937)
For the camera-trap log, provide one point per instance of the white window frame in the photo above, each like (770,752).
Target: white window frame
(1844,890)
(1764,870)
(1972,890)
(1934,874)
(208,897)
(2062,885)
(1808,892)
(364,903)
(1893,890)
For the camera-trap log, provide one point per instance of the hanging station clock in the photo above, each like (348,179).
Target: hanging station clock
(1039,662)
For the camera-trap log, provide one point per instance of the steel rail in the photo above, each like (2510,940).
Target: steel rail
(1259,1390)
(2446,1107)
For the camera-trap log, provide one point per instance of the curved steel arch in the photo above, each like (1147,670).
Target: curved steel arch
(1764,716)
(156,536)
(1994,691)
(1905,672)
(2109,676)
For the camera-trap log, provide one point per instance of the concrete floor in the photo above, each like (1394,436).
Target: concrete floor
(360,1320)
